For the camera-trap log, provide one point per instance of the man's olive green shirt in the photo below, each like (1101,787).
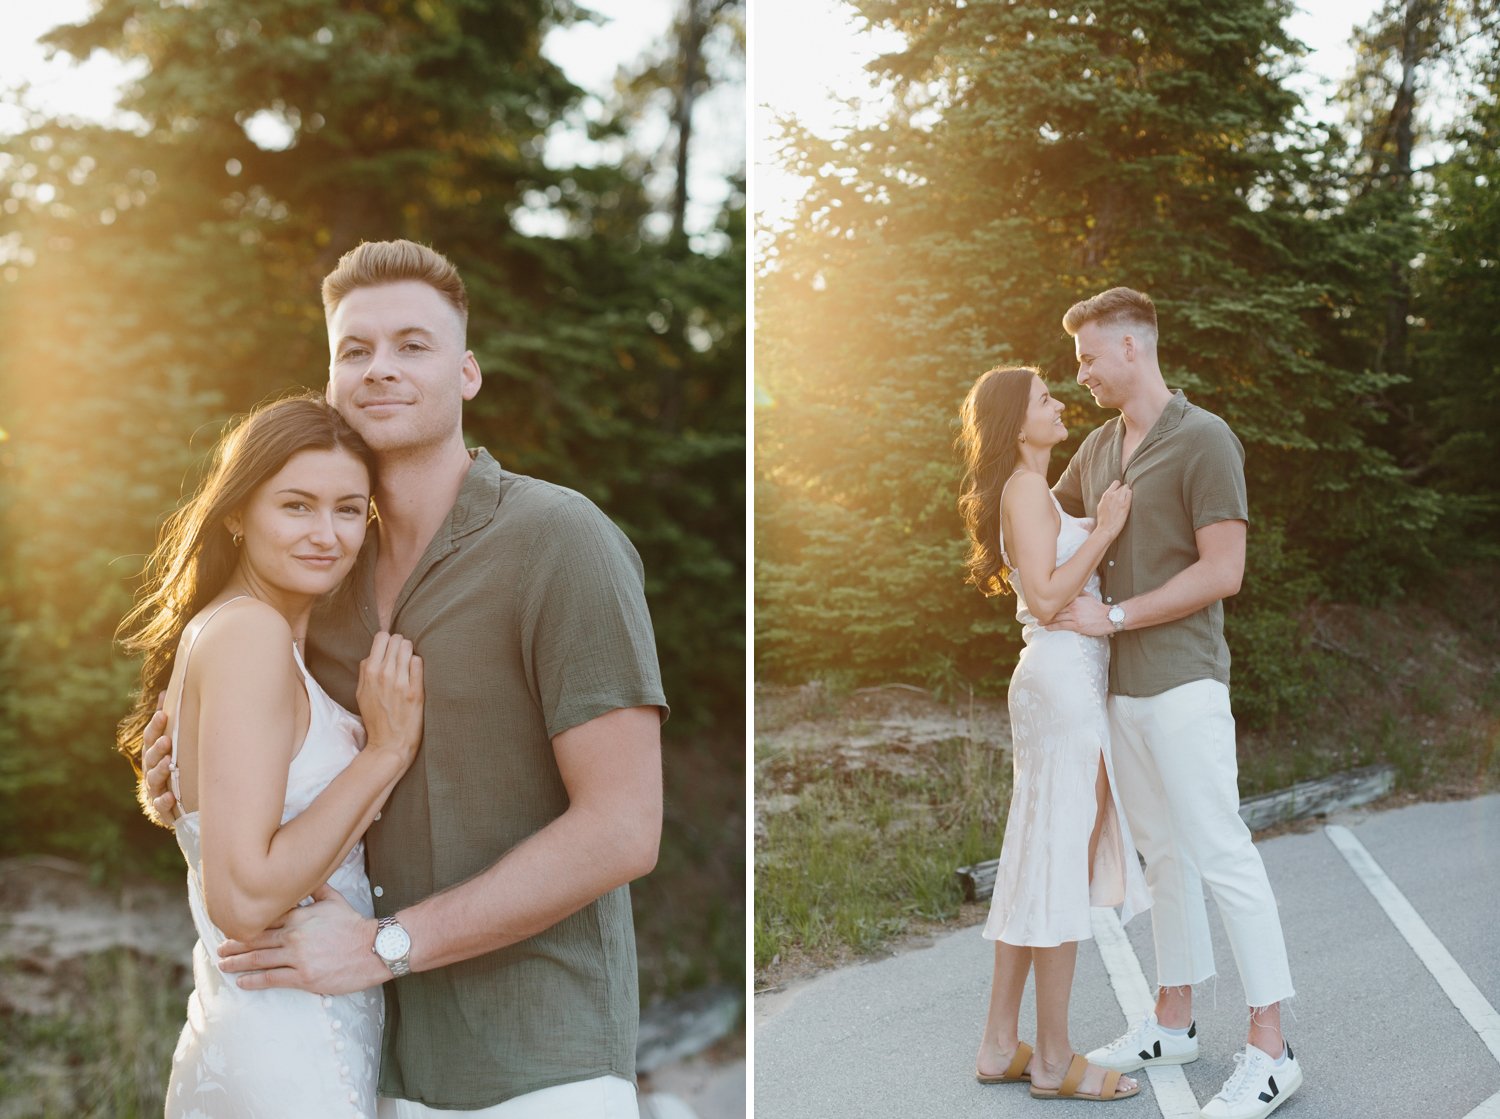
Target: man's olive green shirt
(1188,472)
(529,614)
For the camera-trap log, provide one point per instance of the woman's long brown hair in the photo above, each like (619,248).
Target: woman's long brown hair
(194,555)
(991,419)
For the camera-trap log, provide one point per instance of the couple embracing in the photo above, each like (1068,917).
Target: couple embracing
(420,909)
(1123,739)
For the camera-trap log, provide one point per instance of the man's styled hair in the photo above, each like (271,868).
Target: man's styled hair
(1108,308)
(392,262)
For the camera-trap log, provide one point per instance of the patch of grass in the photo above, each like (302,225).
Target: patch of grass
(1488,696)
(1434,689)
(1461,759)
(1416,688)
(108,1055)
(867,852)
(690,910)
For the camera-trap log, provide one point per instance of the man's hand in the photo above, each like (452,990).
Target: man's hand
(1086,615)
(156,759)
(326,948)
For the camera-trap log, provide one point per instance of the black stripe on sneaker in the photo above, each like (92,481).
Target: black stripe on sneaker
(1192,1029)
(1275,1091)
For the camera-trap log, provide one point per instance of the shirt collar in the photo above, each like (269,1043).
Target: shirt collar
(479,496)
(1170,418)
(476,504)
(1172,414)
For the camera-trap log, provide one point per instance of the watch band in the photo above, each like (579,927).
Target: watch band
(401,965)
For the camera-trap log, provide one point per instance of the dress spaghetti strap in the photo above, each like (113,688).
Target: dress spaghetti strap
(1001,517)
(1057,504)
(173,780)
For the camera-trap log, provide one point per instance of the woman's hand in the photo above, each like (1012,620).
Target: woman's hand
(390,697)
(156,775)
(1114,507)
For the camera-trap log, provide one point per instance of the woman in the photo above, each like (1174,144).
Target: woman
(273,788)
(1067,845)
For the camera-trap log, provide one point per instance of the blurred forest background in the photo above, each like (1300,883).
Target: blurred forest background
(1328,282)
(160,273)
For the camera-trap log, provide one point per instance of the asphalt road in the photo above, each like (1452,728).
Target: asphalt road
(1387,1024)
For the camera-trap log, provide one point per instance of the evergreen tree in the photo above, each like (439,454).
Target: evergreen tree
(156,280)
(1036,154)
(1458,309)
(1408,55)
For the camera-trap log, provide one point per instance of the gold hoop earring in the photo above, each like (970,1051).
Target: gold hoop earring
(238,538)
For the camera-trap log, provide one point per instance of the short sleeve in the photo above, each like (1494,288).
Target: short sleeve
(1069,488)
(585,630)
(1215,478)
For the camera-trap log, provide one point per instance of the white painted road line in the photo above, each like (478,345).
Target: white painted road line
(1489,1109)
(1460,989)
(1169,1082)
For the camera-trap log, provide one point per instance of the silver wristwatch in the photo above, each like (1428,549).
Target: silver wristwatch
(393,946)
(1117,617)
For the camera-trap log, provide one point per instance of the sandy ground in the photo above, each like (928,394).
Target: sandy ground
(807,717)
(884,727)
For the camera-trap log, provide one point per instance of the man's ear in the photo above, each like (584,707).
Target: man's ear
(472,378)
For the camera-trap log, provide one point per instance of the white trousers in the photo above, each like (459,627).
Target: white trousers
(1175,761)
(604,1097)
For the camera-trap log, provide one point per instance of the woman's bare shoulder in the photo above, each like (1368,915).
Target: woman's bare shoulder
(1026,489)
(244,632)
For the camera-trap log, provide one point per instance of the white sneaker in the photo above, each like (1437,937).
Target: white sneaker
(1257,1087)
(1146,1045)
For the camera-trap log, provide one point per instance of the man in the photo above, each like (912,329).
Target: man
(499,864)
(1181,553)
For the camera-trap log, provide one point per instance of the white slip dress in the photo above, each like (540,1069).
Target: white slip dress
(276,1054)
(1059,730)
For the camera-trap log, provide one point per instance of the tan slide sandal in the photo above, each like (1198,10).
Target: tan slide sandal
(1015,1072)
(1068,1090)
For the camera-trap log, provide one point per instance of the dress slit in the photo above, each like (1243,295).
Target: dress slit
(1052,870)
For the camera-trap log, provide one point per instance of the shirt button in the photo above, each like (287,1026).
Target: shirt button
(353,1097)
(377,815)
(1108,599)
(378,892)
(338,1046)
(1111,564)
(337,1025)
(327,1000)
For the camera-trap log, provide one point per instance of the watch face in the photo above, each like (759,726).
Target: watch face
(391,943)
